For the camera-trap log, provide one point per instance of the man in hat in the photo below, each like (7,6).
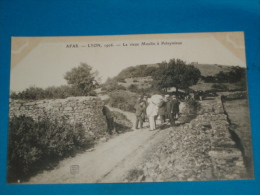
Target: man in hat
(109,118)
(140,111)
(139,99)
(145,105)
(162,111)
(175,108)
(169,110)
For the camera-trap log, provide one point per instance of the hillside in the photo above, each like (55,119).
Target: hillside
(141,76)
(148,69)
(212,69)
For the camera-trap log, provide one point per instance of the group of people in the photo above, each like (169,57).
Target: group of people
(165,107)
(195,95)
(149,109)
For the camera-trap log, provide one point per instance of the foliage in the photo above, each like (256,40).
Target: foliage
(192,105)
(237,74)
(133,88)
(220,86)
(242,84)
(33,146)
(209,79)
(112,85)
(123,100)
(176,74)
(137,71)
(36,93)
(81,81)
(83,78)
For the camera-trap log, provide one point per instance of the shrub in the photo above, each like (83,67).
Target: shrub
(192,106)
(36,93)
(123,100)
(34,146)
(133,88)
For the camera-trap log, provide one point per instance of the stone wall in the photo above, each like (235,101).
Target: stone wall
(85,110)
(233,95)
(200,150)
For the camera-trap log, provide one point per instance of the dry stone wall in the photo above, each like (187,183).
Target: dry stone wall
(233,95)
(197,151)
(85,110)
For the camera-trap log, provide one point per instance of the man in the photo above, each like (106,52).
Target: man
(200,94)
(109,118)
(139,99)
(169,110)
(162,111)
(145,105)
(140,112)
(175,108)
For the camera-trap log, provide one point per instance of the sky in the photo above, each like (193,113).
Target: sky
(46,64)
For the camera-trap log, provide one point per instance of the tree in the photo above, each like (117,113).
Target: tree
(83,78)
(176,74)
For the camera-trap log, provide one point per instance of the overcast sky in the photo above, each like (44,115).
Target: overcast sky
(47,63)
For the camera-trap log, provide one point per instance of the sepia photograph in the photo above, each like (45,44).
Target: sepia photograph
(129,109)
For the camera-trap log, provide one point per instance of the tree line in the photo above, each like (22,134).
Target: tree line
(235,75)
(81,81)
(175,73)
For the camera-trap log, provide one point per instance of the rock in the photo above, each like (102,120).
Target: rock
(141,178)
(208,174)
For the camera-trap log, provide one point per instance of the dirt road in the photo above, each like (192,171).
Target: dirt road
(109,162)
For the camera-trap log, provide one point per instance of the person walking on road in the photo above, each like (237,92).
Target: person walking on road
(162,111)
(169,110)
(140,112)
(151,112)
(109,118)
(175,108)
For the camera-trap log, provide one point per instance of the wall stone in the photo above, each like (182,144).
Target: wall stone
(233,95)
(200,150)
(85,110)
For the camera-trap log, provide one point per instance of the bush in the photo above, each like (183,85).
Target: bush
(112,86)
(61,92)
(133,88)
(192,106)
(123,100)
(34,146)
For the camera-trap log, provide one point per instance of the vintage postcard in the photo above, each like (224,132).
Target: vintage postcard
(129,108)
